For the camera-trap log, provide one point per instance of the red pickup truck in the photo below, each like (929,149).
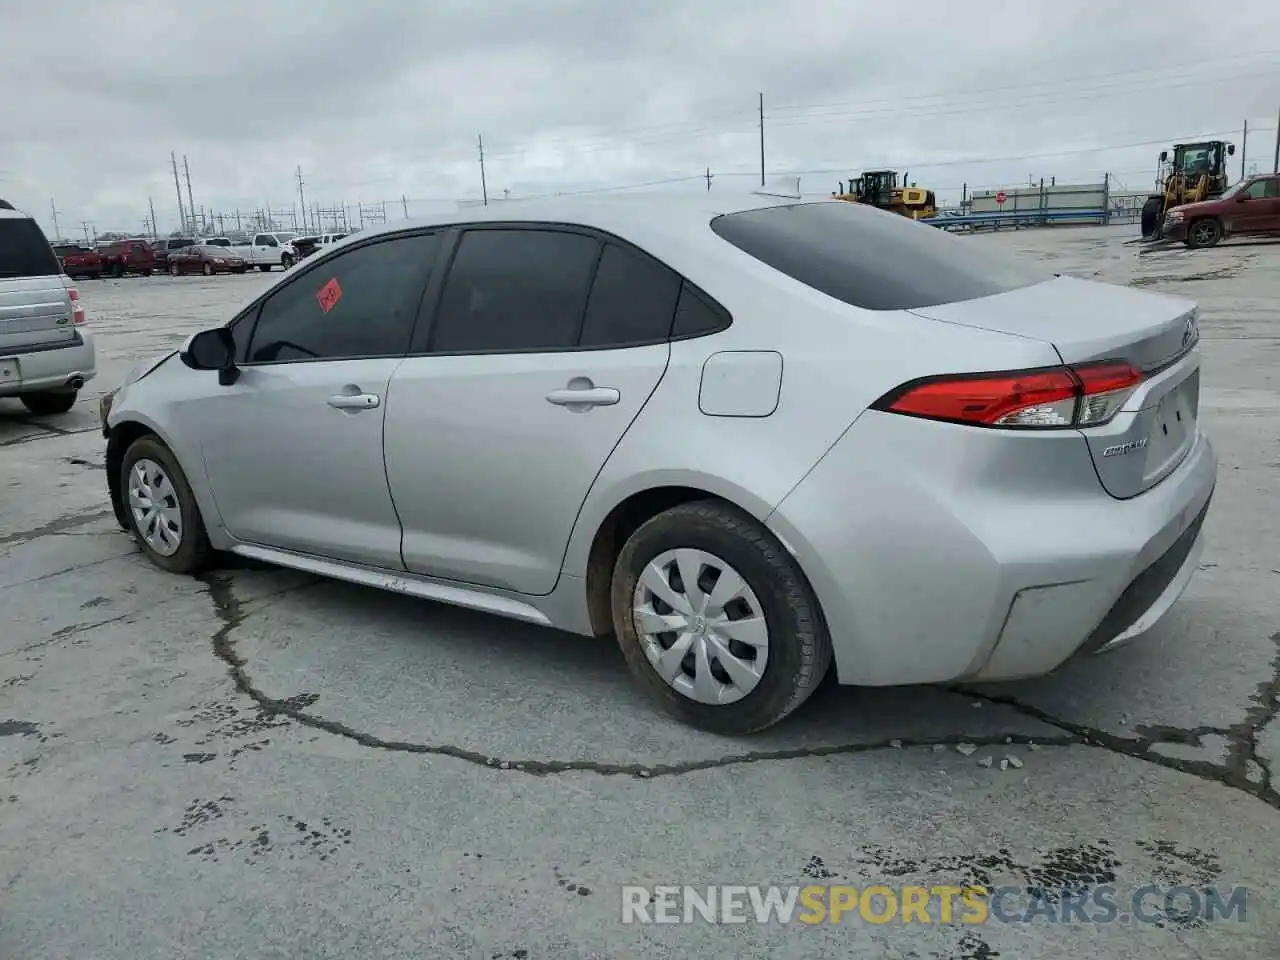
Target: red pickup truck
(127,256)
(1250,208)
(78,261)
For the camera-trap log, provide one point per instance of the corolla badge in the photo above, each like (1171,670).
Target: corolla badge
(1127,447)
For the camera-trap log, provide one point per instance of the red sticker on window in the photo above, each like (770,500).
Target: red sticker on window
(329,295)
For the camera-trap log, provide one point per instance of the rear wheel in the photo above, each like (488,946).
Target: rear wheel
(146,273)
(264,267)
(715,619)
(286,261)
(208,270)
(119,271)
(49,401)
(173,269)
(162,509)
(1204,233)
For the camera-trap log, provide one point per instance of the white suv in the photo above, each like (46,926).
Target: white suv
(46,354)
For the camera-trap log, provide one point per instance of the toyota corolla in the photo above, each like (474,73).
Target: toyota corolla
(753,439)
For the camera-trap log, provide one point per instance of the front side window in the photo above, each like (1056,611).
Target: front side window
(515,290)
(361,303)
(1256,190)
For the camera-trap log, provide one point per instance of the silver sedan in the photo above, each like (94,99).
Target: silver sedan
(748,437)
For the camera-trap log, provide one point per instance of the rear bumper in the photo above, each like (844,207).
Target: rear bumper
(52,367)
(942,553)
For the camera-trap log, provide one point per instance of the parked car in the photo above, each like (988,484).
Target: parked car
(206,259)
(1250,208)
(267,250)
(127,256)
(46,353)
(78,261)
(747,436)
(163,248)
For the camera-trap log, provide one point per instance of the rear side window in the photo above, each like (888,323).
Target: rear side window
(869,258)
(514,290)
(695,316)
(24,251)
(633,300)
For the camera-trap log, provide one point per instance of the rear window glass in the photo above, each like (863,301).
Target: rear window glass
(24,251)
(870,258)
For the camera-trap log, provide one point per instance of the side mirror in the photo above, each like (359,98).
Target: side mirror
(1241,198)
(1231,149)
(212,350)
(1164,156)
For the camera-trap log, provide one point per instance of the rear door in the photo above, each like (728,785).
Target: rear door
(35,306)
(546,345)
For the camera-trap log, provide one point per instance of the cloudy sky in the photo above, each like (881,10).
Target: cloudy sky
(377,100)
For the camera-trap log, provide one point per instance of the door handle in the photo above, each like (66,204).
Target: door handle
(355,401)
(583,397)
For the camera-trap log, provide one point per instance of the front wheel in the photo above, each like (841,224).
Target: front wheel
(286,261)
(208,270)
(264,267)
(49,401)
(716,620)
(173,270)
(162,510)
(1203,233)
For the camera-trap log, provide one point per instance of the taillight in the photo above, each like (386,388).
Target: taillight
(77,308)
(1054,397)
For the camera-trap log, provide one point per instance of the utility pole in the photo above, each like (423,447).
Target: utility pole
(57,233)
(1244,147)
(404,202)
(155,227)
(1275,164)
(191,204)
(484,186)
(85,225)
(182,214)
(708,178)
(762,139)
(302,198)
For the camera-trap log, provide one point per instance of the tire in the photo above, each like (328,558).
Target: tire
(1152,217)
(119,272)
(49,402)
(286,261)
(797,646)
(207,271)
(264,267)
(146,273)
(174,270)
(1203,233)
(192,549)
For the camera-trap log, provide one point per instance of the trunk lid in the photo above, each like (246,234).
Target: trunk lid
(34,311)
(1086,321)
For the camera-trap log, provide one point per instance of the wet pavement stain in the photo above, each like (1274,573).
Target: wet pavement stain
(19,728)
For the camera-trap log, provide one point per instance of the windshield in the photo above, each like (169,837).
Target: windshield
(869,258)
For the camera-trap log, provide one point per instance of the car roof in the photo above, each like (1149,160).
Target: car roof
(625,215)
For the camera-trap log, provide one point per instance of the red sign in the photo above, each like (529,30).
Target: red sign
(1001,198)
(329,295)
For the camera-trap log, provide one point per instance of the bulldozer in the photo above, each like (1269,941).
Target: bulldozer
(1195,172)
(879,188)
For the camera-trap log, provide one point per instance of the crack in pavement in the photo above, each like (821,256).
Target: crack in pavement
(50,433)
(56,526)
(1243,736)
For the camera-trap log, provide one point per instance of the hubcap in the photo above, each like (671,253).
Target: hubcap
(157,516)
(1203,232)
(702,628)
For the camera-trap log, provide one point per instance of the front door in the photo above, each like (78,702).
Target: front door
(1252,213)
(293,449)
(500,422)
